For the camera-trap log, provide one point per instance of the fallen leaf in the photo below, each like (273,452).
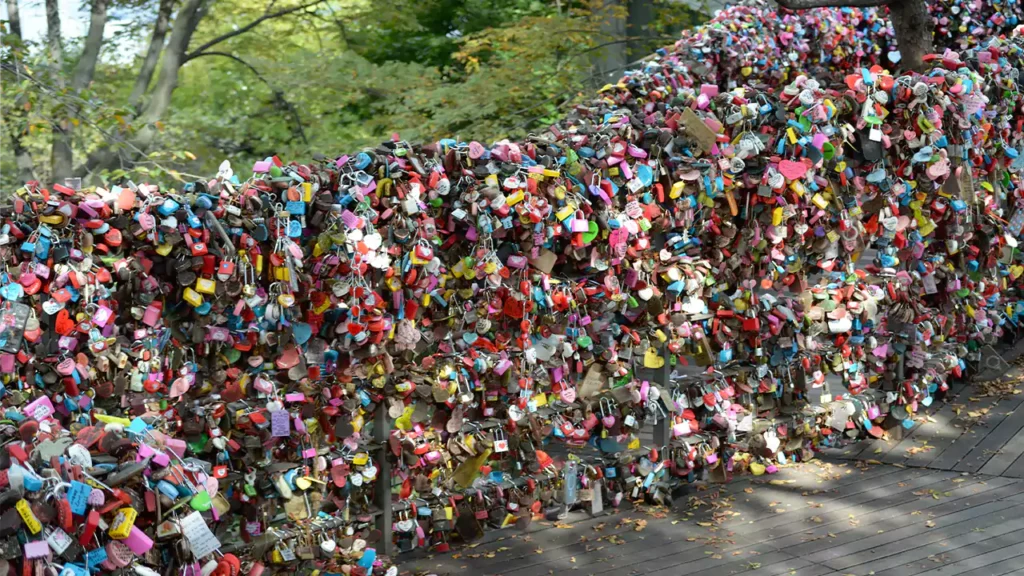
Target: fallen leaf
(929,524)
(539,551)
(705,524)
(748,490)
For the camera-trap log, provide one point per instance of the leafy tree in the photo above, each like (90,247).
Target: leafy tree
(218,78)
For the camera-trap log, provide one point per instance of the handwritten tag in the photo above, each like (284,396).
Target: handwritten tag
(280,424)
(698,130)
(40,409)
(29,517)
(94,558)
(78,497)
(200,538)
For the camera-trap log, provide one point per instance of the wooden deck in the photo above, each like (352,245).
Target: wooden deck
(947,499)
(819,518)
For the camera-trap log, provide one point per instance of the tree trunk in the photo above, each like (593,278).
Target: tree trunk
(913,28)
(156,46)
(22,157)
(86,68)
(62,155)
(611,60)
(641,16)
(60,152)
(189,15)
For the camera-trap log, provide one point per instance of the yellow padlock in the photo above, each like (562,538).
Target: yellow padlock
(206,286)
(121,526)
(777,216)
(28,517)
(677,190)
(192,297)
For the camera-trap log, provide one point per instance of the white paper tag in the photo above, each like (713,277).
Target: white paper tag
(201,539)
(875,135)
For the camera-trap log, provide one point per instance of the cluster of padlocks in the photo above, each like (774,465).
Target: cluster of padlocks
(759,242)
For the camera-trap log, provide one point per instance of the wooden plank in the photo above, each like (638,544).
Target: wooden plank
(909,560)
(874,532)
(1011,450)
(745,565)
(897,453)
(948,438)
(891,494)
(903,547)
(753,507)
(974,439)
(1016,470)
(848,452)
(697,562)
(998,569)
(657,558)
(981,555)
(1011,421)
(567,543)
(937,432)
(880,526)
(697,549)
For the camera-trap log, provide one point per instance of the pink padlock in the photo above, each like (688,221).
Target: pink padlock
(138,542)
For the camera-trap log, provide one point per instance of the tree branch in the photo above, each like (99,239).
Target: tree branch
(810,4)
(267,16)
(156,46)
(278,95)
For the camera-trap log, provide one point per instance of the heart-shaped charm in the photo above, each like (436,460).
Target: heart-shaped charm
(652,359)
(64,325)
(302,332)
(792,170)
(372,240)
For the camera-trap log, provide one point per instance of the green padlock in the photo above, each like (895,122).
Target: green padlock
(201,502)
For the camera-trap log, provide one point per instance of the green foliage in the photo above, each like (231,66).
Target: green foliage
(340,76)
